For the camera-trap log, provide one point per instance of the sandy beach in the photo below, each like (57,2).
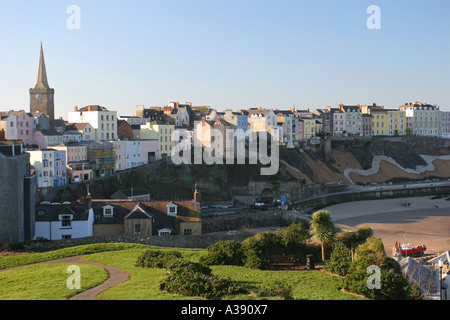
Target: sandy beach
(425,221)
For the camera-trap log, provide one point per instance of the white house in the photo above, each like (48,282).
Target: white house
(56,221)
(128,154)
(102,120)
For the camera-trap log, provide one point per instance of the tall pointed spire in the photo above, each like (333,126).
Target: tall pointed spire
(42,73)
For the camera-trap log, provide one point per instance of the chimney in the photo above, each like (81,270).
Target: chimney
(76,108)
(89,108)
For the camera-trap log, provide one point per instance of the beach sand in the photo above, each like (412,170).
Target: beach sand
(425,221)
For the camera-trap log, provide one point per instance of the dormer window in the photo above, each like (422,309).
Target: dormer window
(172,209)
(108,211)
(66,220)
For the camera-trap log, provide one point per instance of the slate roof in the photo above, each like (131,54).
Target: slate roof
(125,193)
(51,212)
(444,257)
(426,277)
(125,209)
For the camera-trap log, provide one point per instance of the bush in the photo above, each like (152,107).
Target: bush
(278,289)
(364,233)
(156,259)
(223,253)
(194,283)
(340,260)
(258,248)
(186,277)
(393,284)
(169,260)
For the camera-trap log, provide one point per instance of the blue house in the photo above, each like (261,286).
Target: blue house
(60,173)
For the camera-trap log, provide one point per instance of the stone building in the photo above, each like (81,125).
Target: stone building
(42,96)
(17,193)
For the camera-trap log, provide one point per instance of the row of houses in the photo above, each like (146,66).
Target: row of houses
(98,142)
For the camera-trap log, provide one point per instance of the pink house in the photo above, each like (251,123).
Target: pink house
(149,151)
(47,138)
(18,125)
(25,127)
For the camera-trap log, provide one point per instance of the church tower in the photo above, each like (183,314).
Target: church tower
(42,96)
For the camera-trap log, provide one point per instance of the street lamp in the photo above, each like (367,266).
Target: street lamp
(440,263)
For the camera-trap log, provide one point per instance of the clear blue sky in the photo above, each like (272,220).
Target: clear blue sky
(233,53)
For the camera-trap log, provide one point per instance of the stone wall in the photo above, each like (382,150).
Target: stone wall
(175,241)
(314,203)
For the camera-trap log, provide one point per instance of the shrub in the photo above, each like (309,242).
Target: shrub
(279,289)
(186,277)
(393,284)
(156,259)
(169,260)
(223,253)
(258,248)
(194,283)
(364,233)
(340,260)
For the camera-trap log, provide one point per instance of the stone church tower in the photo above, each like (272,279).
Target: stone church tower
(42,96)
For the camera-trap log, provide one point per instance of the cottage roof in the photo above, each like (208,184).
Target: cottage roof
(186,211)
(51,212)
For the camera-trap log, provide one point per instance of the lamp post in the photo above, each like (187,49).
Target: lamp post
(440,277)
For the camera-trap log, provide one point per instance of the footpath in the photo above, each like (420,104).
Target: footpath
(116,276)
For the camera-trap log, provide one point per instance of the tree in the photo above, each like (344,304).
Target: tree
(323,229)
(340,260)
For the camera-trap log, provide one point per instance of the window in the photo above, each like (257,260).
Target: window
(187,232)
(137,228)
(66,236)
(66,221)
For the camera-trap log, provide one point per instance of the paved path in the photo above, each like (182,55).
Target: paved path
(116,276)
(376,166)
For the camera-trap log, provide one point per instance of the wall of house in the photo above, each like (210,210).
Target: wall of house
(146,226)
(107,229)
(16,199)
(196,227)
(52,230)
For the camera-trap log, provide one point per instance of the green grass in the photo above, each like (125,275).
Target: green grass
(47,281)
(143,283)
(20,260)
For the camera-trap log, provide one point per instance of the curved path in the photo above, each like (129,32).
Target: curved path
(116,276)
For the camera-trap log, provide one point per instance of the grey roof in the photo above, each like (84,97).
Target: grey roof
(51,212)
(444,257)
(125,193)
(425,276)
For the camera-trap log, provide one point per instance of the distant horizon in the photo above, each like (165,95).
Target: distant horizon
(226,54)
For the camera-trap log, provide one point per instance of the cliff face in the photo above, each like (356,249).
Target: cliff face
(379,160)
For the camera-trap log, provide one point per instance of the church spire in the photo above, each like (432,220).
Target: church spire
(42,73)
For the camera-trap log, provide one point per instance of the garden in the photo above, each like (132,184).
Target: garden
(226,270)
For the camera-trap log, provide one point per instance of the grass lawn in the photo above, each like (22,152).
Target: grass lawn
(47,281)
(143,284)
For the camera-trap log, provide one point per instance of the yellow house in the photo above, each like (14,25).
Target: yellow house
(163,133)
(309,128)
(380,123)
(396,122)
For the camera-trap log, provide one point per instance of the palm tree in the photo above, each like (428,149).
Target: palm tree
(323,229)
